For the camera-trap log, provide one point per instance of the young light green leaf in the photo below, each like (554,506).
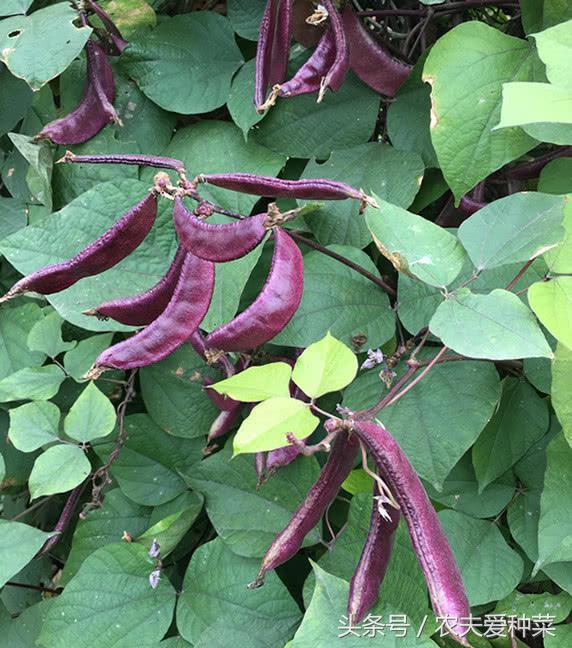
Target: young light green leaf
(32,383)
(552,303)
(415,245)
(554,47)
(513,229)
(46,336)
(78,360)
(15,324)
(497,326)
(559,260)
(58,470)
(34,425)
(19,545)
(534,103)
(562,388)
(325,366)
(92,416)
(267,425)
(358,481)
(257,383)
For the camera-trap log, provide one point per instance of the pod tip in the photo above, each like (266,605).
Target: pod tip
(68,156)
(257,582)
(95,372)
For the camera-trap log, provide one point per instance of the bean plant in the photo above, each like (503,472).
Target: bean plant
(285,323)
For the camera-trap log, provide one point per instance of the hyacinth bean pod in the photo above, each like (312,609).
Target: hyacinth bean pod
(115,35)
(125,158)
(95,109)
(370,61)
(336,74)
(469,205)
(223,423)
(273,308)
(218,243)
(185,311)
(273,48)
(109,249)
(427,536)
(281,457)
(289,541)
(373,562)
(145,307)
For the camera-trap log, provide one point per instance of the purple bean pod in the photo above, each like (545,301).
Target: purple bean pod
(95,109)
(218,243)
(273,48)
(370,61)
(469,205)
(288,542)
(532,169)
(429,541)
(183,314)
(223,423)
(281,457)
(269,187)
(220,401)
(144,308)
(373,562)
(273,308)
(128,159)
(115,35)
(337,72)
(109,249)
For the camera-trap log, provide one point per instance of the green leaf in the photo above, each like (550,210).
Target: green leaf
(58,470)
(50,31)
(416,302)
(240,104)
(555,528)
(489,567)
(512,229)
(110,598)
(34,425)
(266,426)
(374,167)
(558,606)
(214,591)
(340,300)
(13,215)
(23,631)
(554,47)
(91,416)
(466,69)
(520,420)
(559,259)
(358,481)
(299,127)
(414,245)
(325,366)
(467,391)
(104,526)
(15,100)
(562,388)
(234,500)
(148,469)
(561,639)
(497,326)
(552,303)
(16,322)
(130,16)
(550,132)
(245,16)
(19,545)
(33,383)
(11,7)
(534,103)
(46,336)
(186,63)
(39,175)
(257,383)
(78,360)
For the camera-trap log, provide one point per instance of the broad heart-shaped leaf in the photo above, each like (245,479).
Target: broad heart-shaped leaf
(326,624)
(23,631)
(562,388)
(148,469)
(521,419)
(33,383)
(58,470)
(15,324)
(512,229)
(467,391)
(325,366)
(559,259)
(550,132)
(64,233)
(240,104)
(91,416)
(130,16)
(245,16)
(527,103)
(560,638)
(50,31)
(489,567)
(340,300)
(558,606)
(78,360)
(266,426)
(214,590)
(39,174)
(11,7)
(46,336)
(555,525)
(466,69)
(33,425)
(300,127)
(374,167)
(414,245)
(15,100)
(110,598)
(13,215)
(248,517)
(104,526)
(19,545)
(552,303)
(497,326)
(554,47)
(257,383)
(186,63)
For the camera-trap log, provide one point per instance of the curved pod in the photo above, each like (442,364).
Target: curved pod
(274,306)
